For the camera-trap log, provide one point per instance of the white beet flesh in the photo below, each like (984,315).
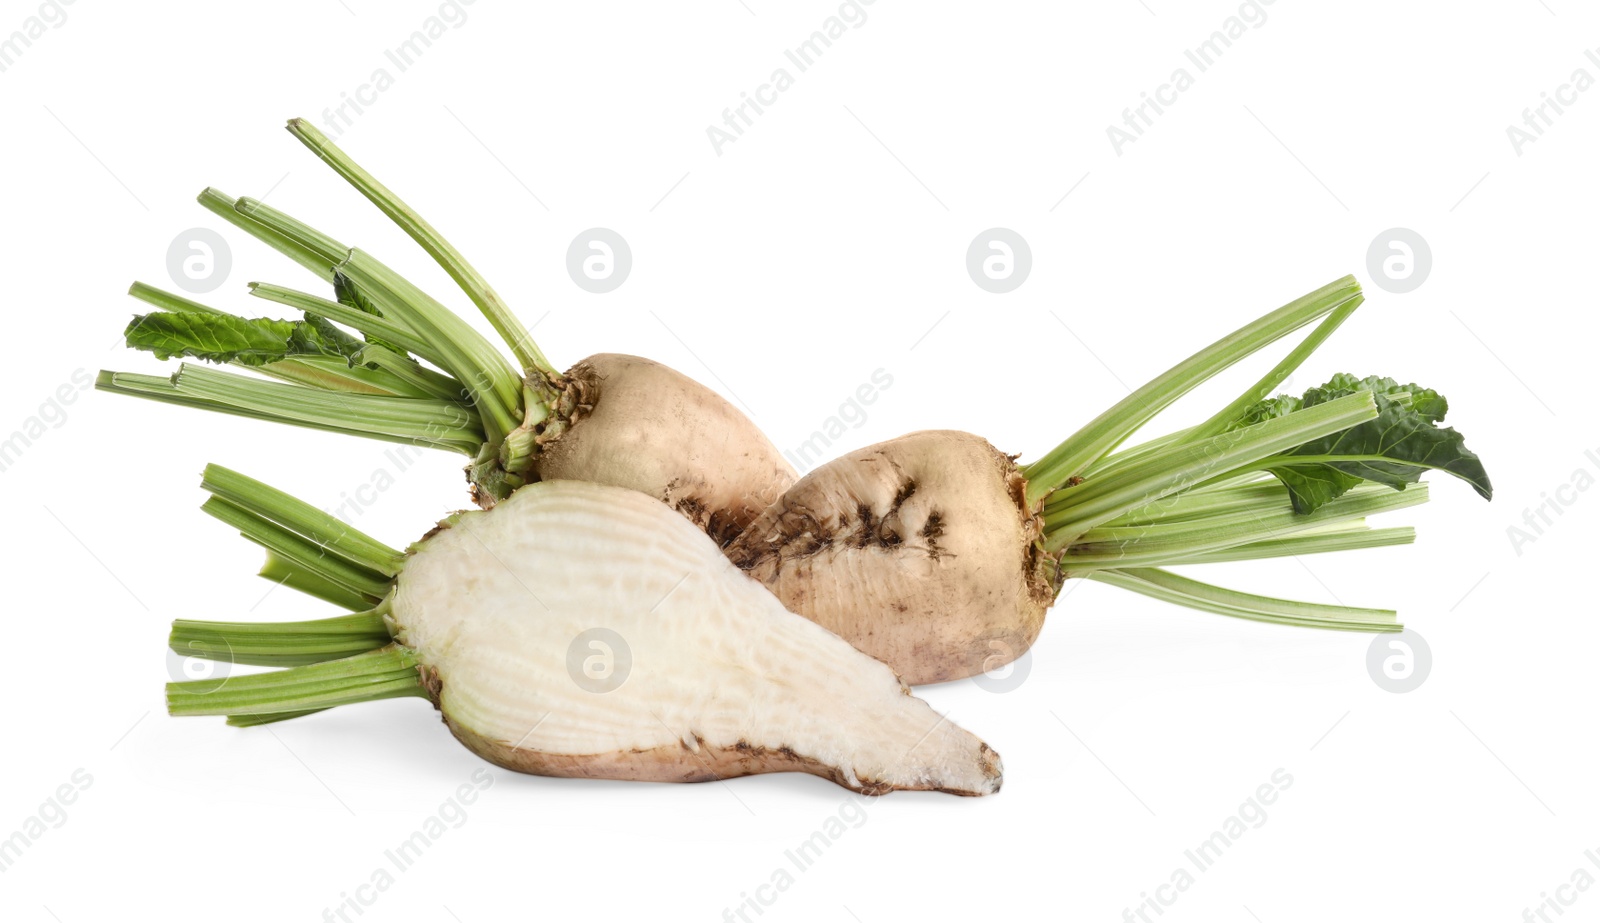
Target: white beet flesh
(723,680)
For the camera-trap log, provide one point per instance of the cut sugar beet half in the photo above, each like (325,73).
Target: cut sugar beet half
(376,356)
(576,630)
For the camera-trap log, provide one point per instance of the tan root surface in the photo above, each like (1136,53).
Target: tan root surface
(916,550)
(661,433)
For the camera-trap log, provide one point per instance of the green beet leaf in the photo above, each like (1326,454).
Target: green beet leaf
(1394,449)
(346,293)
(226,338)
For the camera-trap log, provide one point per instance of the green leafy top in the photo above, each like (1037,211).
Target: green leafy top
(1393,449)
(226,338)
(1429,404)
(346,293)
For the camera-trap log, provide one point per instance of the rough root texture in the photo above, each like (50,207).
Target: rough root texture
(583,630)
(650,429)
(918,551)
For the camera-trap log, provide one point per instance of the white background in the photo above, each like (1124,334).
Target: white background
(821,246)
